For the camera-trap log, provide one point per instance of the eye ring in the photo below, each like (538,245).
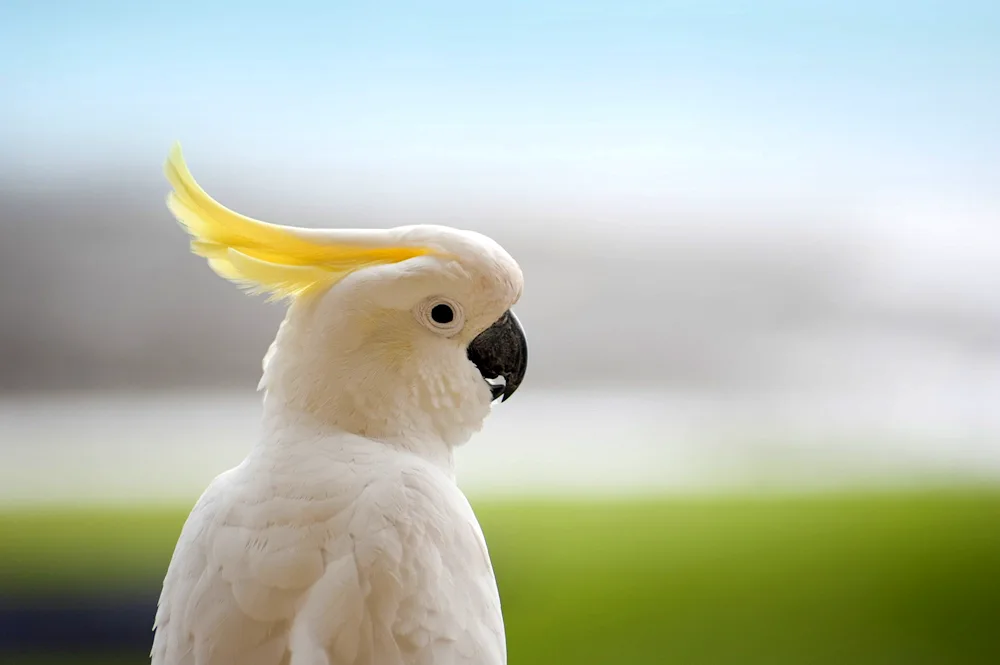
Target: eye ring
(440,315)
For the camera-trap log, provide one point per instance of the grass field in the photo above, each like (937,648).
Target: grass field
(874,579)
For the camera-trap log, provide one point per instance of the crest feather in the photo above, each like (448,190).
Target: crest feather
(283,261)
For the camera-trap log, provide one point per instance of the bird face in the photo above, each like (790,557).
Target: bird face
(425,345)
(442,308)
(403,333)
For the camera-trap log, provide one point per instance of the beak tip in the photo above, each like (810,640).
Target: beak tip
(498,391)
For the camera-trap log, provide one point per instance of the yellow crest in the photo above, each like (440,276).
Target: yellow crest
(266,258)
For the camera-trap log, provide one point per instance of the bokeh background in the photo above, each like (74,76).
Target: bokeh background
(761,245)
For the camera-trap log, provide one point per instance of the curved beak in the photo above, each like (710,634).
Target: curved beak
(501,351)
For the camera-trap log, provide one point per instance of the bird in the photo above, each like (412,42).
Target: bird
(343,537)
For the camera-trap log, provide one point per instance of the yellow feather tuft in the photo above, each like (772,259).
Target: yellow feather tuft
(262,257)
(280,281)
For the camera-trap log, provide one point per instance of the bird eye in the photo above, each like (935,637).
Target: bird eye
(441,315)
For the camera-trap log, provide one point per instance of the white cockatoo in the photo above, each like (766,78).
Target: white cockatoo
(342,538)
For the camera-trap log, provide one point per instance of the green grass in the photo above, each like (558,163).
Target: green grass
(893,579)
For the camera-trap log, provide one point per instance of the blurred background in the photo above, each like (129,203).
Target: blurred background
(761,247)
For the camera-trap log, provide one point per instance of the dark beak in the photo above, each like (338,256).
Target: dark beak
(501,350)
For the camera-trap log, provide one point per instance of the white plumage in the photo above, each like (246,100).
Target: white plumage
(342,538)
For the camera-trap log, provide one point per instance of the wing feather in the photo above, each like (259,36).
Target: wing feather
(388,569)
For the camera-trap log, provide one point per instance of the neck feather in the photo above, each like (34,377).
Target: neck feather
(416,399)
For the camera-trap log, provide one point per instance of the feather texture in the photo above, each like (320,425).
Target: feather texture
(340,552)
(267,258)
(342,538)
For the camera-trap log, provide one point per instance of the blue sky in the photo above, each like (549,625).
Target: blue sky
(575,92)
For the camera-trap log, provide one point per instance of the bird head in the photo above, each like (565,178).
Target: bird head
(402,334)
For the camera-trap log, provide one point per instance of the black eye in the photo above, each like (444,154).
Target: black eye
(442,314)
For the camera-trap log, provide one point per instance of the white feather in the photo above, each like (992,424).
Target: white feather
(343,539)
(331,551)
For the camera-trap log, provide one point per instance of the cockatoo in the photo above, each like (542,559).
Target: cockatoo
(343,538)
